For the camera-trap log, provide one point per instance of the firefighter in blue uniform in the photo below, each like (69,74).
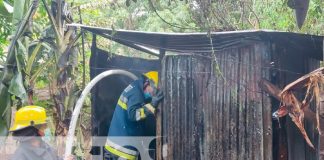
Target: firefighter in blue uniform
(137,102)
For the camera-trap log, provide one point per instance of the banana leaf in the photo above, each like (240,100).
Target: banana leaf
(19,6)
(4,110)
(21,54)
(3,128)
(41,69)
(10,76)
(5,10)
(8,72)
(32,57)
(1,72)
(17,87)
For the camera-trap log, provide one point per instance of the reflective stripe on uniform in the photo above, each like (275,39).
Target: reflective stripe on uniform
(120,151)
(122,104)
(120,154)
(123,99)
(140,114)
(150,107)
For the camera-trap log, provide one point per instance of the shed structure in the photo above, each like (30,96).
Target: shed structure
(213,106)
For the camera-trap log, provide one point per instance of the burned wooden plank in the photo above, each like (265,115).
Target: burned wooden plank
(249,108)
(219,103)
(266,109)
(191,107)
(215,130)
(175,109)
(184,79)
(226,113)
(224,108)
(204,69)
(168,119)
(159,132)
(252,106)
(222,115)
(234,103)
(243,74)
(230,91)
(258,147)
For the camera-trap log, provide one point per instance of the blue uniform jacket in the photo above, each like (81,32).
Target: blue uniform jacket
(130,111)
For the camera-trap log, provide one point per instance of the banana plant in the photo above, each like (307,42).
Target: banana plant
(5,18)
(21,71)
(18,76)
(63,88)
(34,69)
(12,78)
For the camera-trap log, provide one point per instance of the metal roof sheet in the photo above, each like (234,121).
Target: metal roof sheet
(204,42)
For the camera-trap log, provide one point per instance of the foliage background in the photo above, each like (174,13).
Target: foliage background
(176,16)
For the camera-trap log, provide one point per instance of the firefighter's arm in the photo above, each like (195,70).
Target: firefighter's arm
(136,110)
(156,99)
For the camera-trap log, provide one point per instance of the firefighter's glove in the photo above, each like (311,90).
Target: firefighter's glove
(157,98)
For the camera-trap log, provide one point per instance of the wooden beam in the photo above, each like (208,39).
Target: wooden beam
(271,89)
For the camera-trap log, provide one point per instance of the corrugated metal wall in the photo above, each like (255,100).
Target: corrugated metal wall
(216,110)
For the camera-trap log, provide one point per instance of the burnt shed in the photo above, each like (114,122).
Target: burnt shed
(213,106)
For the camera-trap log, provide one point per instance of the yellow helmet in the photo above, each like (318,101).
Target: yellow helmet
(154,76)
(29,116)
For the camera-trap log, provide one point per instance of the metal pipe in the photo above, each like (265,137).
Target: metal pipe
(79,104)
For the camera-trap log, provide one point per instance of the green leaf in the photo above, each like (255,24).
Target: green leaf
(53,22)
(32,58)
(22,53)
(5,9)
(3,128)
(4,110)
(40,70)
(8,7)
(4,98)
(18,13)
(127,3)
(17,87)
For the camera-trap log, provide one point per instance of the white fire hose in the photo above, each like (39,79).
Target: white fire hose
(79,104)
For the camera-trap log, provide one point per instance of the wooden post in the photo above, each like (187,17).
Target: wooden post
(159,144)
